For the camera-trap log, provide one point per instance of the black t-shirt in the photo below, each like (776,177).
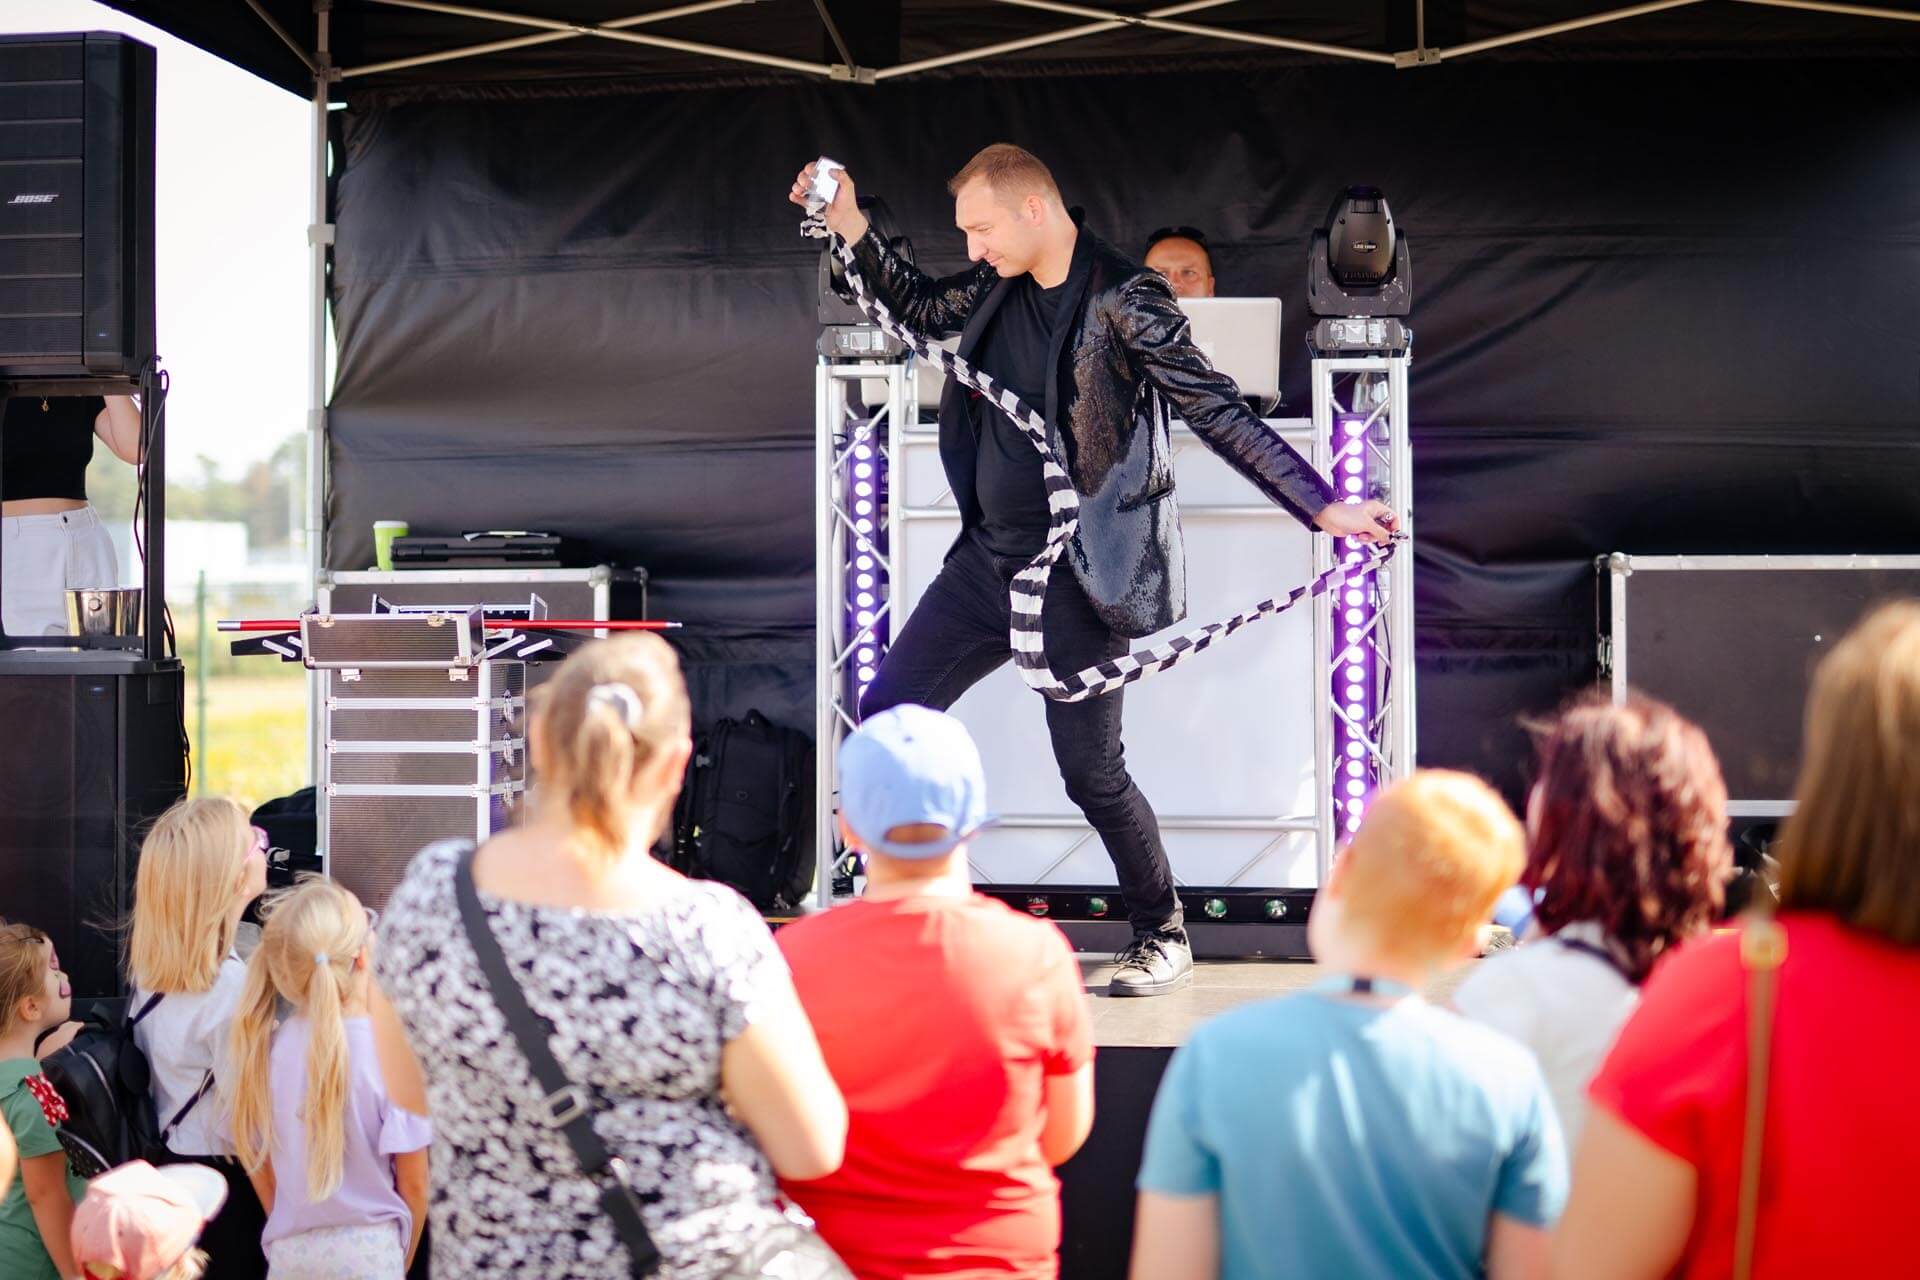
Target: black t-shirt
(1007,481)
(45,446)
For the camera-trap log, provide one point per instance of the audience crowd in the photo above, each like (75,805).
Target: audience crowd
(555,1057)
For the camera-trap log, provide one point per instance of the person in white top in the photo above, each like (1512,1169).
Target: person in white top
(1627,856)
(200,866)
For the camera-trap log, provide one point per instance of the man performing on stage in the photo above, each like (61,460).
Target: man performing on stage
(1096,343)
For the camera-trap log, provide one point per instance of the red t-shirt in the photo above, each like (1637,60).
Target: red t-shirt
(1842,1147)
(940,1018)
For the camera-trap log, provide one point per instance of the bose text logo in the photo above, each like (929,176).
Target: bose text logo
(26,198)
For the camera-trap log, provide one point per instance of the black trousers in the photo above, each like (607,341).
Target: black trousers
(232,1239)
(958,635)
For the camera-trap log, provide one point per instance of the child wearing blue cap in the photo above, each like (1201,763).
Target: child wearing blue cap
(956,1027)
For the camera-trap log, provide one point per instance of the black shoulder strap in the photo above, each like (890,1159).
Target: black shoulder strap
(566,1106)
(206,1084)
(146,1008)
(1601,954)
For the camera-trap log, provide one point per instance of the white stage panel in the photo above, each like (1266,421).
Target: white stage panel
(1227,737)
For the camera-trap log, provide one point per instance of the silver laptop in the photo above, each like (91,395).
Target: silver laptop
(1241,336)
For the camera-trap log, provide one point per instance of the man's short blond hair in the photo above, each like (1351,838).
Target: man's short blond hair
(1435,851)
(1013,173)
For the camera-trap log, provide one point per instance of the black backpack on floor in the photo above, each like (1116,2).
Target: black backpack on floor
(104,1079)
(745,815)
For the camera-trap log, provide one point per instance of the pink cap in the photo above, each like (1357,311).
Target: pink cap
(142,1220)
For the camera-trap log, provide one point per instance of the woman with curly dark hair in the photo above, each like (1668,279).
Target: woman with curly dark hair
(1627,855)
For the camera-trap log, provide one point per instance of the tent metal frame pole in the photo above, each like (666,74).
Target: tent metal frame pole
(319,240)
(833,34)
(306,59)
(1036,42)
(1551,29)
(1845,10)
(820,69)
(1213,33)
(550,37)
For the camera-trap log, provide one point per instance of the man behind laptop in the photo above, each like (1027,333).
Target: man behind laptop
(1180,254)
(956,1028)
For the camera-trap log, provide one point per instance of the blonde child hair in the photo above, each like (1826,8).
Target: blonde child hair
(609,711)
(1422,873)
(190,1267)
(190,868)
(310,939)
(25,954)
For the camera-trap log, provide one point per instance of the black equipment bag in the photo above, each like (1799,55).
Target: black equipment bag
(104,1079)
(292,824)
(746,812)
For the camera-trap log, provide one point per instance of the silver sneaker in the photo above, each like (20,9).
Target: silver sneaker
(1152,965)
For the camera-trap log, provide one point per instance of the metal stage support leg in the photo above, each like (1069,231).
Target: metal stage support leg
(1367,737)
(855,524)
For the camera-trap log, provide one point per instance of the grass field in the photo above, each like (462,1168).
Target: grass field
(256,740)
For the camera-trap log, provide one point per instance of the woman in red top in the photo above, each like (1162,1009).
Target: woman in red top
(1656,1180)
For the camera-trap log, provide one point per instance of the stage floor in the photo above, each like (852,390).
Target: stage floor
(1218,985)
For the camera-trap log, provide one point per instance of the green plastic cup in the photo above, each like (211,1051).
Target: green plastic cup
(384,532)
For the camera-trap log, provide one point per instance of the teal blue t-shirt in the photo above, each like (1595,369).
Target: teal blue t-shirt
(1351,1139)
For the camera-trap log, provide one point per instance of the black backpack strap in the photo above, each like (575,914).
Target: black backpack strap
(206,1085)
(206,1082)
(566,1106)
(146,1008)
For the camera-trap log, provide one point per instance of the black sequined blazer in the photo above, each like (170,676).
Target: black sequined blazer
(1125,365)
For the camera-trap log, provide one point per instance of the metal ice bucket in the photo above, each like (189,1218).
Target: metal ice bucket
(104,611)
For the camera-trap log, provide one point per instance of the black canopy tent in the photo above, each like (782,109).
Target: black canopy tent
(1666,272)
(567,292)
(427,43)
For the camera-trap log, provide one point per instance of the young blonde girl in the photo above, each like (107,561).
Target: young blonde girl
(200,865)
(36,1208)
(340,1168)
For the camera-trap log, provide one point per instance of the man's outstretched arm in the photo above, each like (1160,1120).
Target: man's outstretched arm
(1154,333)
(928,306)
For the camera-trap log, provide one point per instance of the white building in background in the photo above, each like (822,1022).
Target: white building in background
(220,548)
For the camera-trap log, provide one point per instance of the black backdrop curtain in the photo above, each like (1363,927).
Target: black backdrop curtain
(1660,307)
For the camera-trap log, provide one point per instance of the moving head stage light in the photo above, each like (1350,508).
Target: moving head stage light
(1359,276)
(848,334)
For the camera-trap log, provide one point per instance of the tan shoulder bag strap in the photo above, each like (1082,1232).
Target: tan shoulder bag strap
(1763,947)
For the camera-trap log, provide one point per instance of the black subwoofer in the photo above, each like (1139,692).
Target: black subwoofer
(76,206)
(91,752)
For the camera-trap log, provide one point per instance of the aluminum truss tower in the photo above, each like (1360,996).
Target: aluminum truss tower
(1367,738)
(854,528)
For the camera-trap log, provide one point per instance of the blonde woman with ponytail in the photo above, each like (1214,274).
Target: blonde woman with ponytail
(341,1170)
(200,865)
(671,1010)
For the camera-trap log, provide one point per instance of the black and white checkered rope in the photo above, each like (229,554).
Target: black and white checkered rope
(1029,587)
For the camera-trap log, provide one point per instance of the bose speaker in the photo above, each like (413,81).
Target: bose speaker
(76,206)
(92,754)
